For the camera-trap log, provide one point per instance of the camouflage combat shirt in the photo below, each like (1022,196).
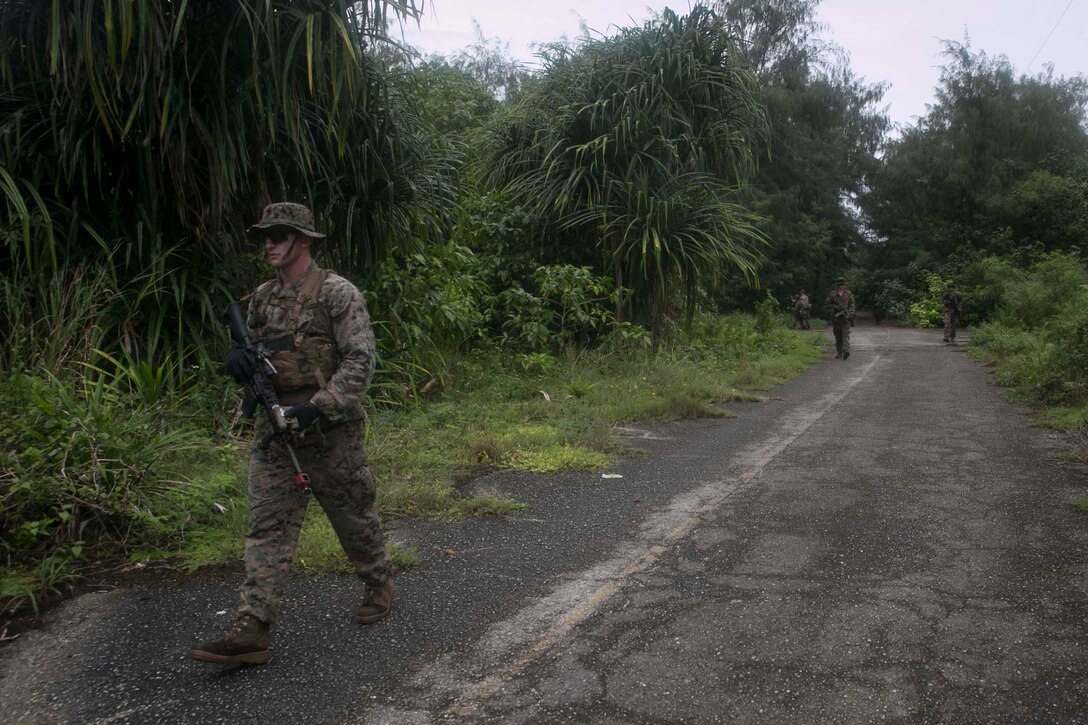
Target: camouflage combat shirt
(952,301)
(837,304)
(341,397)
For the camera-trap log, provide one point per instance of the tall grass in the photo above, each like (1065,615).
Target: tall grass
(107,373)
(1038,342)
(51,322)
(557,414)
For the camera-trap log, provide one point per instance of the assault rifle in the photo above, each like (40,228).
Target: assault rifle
(260,392)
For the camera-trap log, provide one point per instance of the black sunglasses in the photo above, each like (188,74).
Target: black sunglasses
(278,236)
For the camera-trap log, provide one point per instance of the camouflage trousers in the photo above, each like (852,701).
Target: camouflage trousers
(341,482)
(841,328)
(950,320)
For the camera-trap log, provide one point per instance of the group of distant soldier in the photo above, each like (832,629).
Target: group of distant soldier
(840,311)
(802,310)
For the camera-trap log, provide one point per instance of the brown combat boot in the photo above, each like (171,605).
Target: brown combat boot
(376,603)
(245,644)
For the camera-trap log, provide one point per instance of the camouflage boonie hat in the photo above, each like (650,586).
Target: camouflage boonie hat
(841,280)
(286,214)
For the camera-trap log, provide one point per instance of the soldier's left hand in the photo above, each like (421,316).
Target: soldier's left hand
(305,413)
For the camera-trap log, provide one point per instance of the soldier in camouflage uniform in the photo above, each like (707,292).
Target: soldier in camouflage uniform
(802,310)
(839,308)
(952,304)
(316,327)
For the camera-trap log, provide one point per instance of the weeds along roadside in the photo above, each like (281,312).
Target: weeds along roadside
(129,463)
(1037,343)
(532,412)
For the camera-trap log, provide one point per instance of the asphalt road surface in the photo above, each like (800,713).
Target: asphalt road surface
(884,540)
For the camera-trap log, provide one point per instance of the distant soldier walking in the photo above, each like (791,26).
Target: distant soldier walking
(802,310)
(316,328)
(952,303)
(839,309)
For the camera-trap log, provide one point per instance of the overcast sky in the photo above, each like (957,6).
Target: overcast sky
(897,41)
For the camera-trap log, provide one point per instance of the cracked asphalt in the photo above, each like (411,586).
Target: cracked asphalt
(884,540)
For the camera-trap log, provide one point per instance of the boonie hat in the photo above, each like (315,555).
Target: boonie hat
(841,280)
(286,214)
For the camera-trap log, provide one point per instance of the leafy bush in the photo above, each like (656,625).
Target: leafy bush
(732,337)
(627,337)
(431,299)
(1063,375)
(1040,344)
(426,306)
(767,314)
(928,311)
(1000,341)
(526,320)
(1048,290)
(984,284)
(895,299)
(571,306)
(87,462)
(496,229)
(536,363)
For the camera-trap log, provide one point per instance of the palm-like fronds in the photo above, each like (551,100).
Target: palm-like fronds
(155,132)
(194,114)
(637,141)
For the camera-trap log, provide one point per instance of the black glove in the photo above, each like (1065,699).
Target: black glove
(305,413)
(241,364)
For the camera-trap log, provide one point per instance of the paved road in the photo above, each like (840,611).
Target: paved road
(885,539)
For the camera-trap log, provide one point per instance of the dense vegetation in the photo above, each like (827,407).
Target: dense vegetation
(998,168)
(545,254)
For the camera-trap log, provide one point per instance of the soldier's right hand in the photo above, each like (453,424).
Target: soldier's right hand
(241,364)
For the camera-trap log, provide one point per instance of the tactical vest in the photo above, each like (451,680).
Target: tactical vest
(297,333)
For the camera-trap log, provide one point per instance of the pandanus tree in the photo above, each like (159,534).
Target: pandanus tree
(133,127)
(636,144)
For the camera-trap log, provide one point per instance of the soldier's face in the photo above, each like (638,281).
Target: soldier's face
(284,246)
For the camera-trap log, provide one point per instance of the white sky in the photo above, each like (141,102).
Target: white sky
(897,41)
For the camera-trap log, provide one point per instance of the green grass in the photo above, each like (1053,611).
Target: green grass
(1020,363)
(19,588)
(557,414)
(1064,418)
(560,420)
(319,549)
(559,458)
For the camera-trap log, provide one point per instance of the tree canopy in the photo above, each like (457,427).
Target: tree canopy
(999,162)
(825,131)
